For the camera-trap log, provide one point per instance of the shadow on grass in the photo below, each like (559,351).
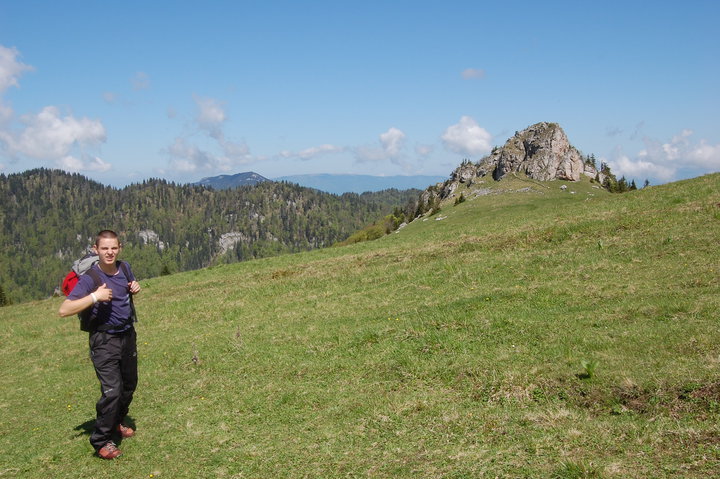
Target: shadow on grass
(87,428)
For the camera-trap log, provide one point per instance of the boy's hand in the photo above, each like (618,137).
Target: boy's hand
(103,293)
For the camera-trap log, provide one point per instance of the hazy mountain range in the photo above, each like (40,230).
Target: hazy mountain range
(336,184)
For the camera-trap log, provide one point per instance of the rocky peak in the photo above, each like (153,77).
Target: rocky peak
(541,151)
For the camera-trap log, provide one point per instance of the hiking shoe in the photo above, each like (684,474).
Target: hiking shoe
(125,431)
(109,451)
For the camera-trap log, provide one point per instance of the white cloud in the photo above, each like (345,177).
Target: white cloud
(664,160)
(10,68)
(47,135)
(222,154)
(705,156)
(10,71)
(95,164)
(211,116)
(238,152)
(189,158)
(186,157)
(473,73)
(680,151)
(312,152)
(467,138)
(141,81)
(639,168)
(6,113)
(392,142)
(424,150)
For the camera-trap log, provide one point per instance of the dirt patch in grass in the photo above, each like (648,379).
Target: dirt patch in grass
(699,400)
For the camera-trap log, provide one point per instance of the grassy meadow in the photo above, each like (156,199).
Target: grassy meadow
(537,333)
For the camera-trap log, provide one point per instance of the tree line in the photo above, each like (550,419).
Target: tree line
(50,218)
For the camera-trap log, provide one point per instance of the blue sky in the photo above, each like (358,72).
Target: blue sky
(125,91)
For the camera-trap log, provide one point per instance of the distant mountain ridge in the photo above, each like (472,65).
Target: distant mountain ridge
(329,183)
(224,182)
(339,184)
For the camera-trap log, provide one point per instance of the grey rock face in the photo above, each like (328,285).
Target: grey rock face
(541,151)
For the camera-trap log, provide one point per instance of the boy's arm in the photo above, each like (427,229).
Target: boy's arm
(74,306)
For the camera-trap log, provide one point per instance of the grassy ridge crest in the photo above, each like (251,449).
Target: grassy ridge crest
(533,333)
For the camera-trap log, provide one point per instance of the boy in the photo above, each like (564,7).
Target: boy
(112,342)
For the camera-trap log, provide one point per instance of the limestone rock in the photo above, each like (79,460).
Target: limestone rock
(542,152)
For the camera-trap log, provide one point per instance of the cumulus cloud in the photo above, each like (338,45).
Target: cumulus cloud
(312,152)
(424,150)
(664,160)
(10,68)
(6,113)
(220,154)
(622,165)
(705,156)
(95,164)
(189,158)
(10,71)
(211,115)
(48,135)
(186,157)
(467,138)
(141,81)
(473,74)
(392,141)
(392,144)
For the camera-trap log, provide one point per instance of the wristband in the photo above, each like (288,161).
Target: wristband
(94,298)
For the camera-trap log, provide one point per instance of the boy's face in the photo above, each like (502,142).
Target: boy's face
(108,250)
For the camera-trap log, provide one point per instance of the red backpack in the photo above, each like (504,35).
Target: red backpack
(79,267)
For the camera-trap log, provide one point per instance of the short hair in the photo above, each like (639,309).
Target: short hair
(106,234)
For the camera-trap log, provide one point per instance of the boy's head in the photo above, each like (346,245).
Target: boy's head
(107,246)
(105,234)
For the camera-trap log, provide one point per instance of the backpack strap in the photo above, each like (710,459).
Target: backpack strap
(95,277)
(88,316)
(126,271)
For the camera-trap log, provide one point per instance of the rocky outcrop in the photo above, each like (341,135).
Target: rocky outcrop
(541,152)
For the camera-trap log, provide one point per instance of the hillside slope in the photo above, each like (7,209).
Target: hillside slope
(50,217)
(534,333)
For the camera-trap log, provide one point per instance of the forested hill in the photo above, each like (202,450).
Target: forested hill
(50,217)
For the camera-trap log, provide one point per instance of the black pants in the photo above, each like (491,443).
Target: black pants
(115,359)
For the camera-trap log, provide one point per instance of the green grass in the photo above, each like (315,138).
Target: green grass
(535,333)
